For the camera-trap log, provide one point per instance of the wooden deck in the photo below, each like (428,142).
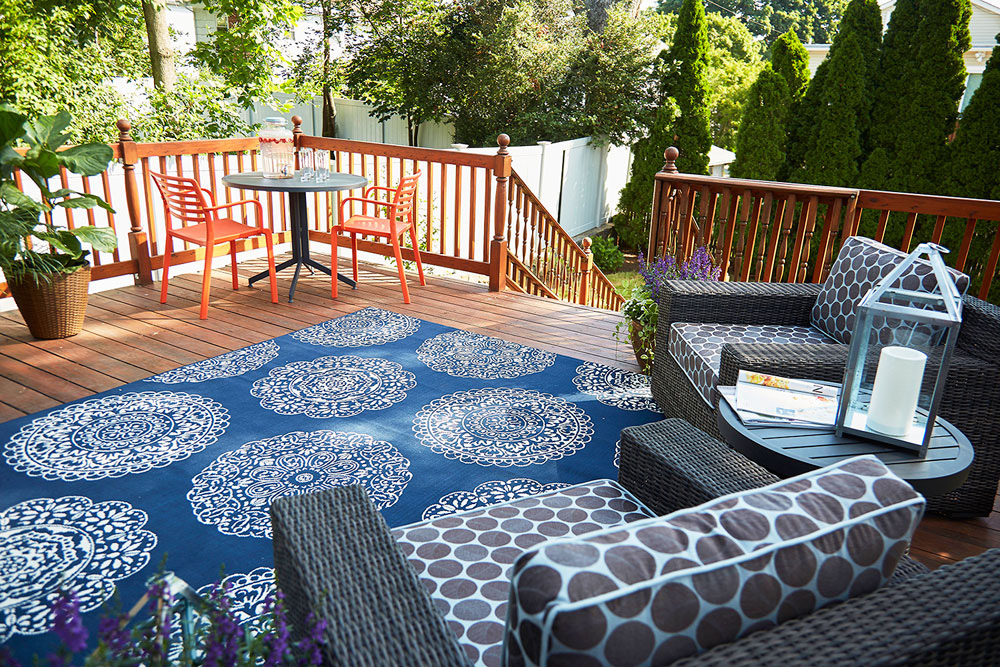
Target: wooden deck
(129,336)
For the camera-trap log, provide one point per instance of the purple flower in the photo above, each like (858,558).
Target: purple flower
(277,642)
(223,641)
(6,659)
(112,633)
(309,647)
(657,273)
(67,623)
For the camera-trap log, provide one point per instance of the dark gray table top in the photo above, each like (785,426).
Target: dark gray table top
(787,451)
(253,180)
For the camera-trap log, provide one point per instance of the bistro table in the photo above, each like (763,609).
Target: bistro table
(789,450)
(297,190)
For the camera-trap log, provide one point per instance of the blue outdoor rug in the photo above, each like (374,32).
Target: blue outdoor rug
(428,419)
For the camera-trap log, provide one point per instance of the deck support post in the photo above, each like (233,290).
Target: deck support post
(661,214)
(138,241)
(498,245)
(588,266)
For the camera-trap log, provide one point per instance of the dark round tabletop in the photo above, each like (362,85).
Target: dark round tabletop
(787,451)
(253,180)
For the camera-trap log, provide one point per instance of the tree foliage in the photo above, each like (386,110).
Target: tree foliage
(57,55)
(833,155)
(862,21)
(686,82)
(812,20)
(791,60)
(928,107)
(760,144)
(243,54)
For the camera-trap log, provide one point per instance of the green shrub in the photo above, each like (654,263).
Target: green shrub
(607,257)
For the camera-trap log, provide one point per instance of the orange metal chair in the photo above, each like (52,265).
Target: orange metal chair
(398,219)
(195,207)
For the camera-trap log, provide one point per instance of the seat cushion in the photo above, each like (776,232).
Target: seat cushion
(697,348)
(861,264)
(657,590)
(464,559)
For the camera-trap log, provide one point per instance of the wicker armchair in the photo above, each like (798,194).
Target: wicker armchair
(971,399)
(334,556)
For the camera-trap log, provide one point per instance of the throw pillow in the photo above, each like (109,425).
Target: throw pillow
(861,264)
(661,589)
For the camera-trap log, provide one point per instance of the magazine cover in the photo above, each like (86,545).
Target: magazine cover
(786,400)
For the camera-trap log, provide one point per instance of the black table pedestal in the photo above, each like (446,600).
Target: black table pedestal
(299,218)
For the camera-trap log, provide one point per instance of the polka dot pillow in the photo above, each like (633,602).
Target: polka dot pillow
(861,265)
(661,589)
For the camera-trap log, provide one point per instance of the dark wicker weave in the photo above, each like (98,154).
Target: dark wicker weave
(971,400)
(334,554)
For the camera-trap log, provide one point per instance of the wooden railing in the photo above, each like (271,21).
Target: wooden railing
(549,261)
(788,232)
(465,216)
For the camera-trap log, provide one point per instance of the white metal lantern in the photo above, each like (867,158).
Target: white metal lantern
(899,356)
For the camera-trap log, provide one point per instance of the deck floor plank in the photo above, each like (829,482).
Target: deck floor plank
(130,335)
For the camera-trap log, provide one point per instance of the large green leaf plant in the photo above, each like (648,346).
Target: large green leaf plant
(31,246)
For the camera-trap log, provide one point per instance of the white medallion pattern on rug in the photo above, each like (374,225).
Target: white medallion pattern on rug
(488,493)
(69,542)
(228,365)
(248,594)
(615,386)
(116,435)
(470,355)
(503,427)
(234,493)
(333,386)
(368,326)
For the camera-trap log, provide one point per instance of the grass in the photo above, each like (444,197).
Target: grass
(624,281)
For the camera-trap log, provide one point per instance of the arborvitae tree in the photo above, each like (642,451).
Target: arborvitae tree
(890,84)
(863,20)
(975,153)
(833,157)
(791,60)
(635,206)
(926,115)
(760,142)
(688,58)
(975,166)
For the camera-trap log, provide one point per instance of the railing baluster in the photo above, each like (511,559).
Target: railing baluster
(830,222)
(911,222)
(761,243)
(472,213)
(747,244)
(786,230)
(938,228)
(442,218)
(963,250)
(991,266)
(458,211)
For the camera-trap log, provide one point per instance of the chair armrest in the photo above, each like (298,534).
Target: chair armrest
(980,332)
(949,616)
(736,303)
(365,201)
(812,361)
(375,188)
(670,465)
(334,556)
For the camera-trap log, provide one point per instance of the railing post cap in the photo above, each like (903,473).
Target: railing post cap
(124,127)
(586,243)
(296,120)
(670,158)
(503,141)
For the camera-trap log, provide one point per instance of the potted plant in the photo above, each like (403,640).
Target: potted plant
(639,312)
(46,266)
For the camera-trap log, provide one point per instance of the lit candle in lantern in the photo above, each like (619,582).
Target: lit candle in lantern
(897,387)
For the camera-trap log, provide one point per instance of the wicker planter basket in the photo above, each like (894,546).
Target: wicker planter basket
(53,307)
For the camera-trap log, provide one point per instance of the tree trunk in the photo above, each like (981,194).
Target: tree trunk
(161,56)
(329,108)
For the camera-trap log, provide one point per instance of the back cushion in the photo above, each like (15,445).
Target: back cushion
(862,264)
(660,589)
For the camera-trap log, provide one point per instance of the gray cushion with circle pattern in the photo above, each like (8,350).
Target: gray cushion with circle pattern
(697,347)
(661,589)
(464,559)
(861,264)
